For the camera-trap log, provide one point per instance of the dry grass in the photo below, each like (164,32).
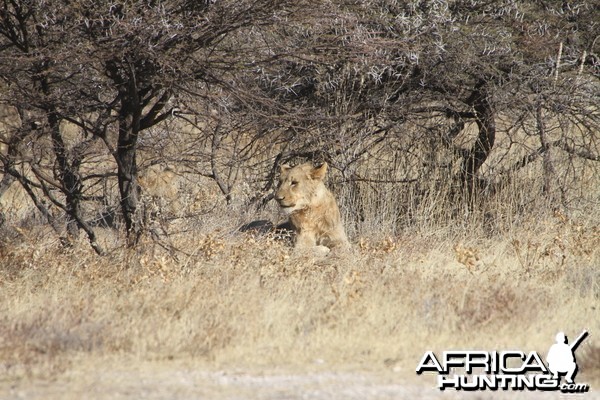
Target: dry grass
(231,299)
(426,274)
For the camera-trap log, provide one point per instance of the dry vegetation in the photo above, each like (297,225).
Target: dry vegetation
(217,298)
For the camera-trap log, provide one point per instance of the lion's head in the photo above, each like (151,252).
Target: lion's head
(300,186)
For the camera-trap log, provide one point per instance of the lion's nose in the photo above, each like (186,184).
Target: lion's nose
(279,197)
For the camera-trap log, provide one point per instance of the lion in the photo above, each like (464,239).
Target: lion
(311,207)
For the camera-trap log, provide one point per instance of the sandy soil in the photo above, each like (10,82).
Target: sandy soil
(175,381)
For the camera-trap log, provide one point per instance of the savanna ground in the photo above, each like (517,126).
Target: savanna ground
(208,312)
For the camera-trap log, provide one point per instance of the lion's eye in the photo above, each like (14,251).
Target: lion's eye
(293,183)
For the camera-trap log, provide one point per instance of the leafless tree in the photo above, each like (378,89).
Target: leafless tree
(115,69)
(389,93)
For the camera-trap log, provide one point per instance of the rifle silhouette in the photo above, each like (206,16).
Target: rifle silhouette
(579,339)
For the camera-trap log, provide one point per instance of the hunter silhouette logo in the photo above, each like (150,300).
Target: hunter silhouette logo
(507,370)
(561,356)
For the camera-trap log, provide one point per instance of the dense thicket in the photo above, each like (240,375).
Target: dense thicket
(451,97)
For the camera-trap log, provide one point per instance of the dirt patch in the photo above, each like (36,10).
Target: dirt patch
(172,380)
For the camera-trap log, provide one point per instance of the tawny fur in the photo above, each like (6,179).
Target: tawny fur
(311,207)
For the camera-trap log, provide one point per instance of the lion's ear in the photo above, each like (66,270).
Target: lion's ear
(284,168)
(319,172)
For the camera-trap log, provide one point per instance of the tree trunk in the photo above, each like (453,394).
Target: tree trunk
(68,175)
(485,119)
(68,170)
(129,127)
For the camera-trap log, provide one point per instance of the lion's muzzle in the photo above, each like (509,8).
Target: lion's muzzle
(286,206)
